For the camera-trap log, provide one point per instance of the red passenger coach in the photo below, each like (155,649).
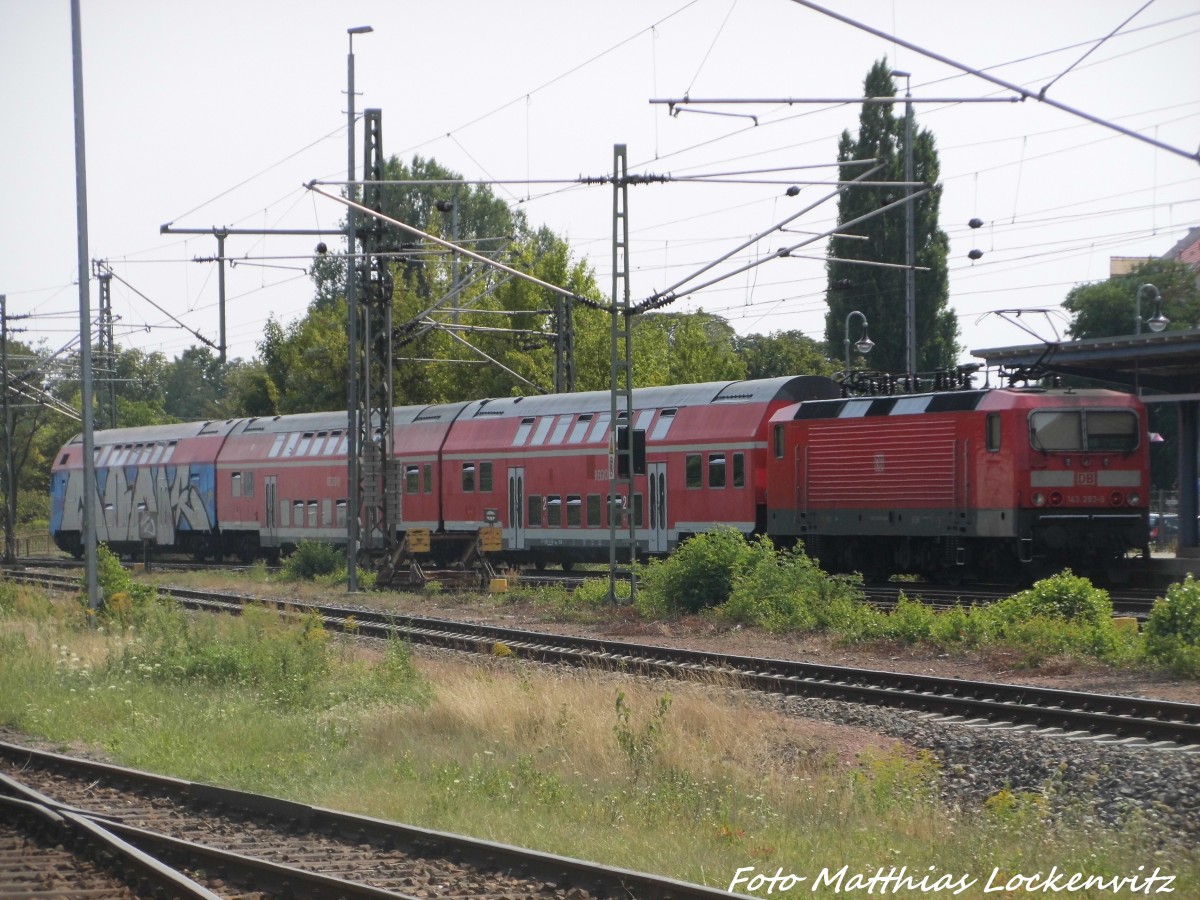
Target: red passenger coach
(539,466)
(977,481)
(281,480)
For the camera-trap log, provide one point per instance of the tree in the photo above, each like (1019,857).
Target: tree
(195,385)
(878,292)
(1108,308)
(783,353)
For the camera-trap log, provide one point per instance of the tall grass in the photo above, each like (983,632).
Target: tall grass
(693,784)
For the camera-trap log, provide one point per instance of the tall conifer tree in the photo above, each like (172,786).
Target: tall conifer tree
(877,292)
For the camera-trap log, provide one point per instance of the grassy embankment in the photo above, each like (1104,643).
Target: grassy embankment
(691,781)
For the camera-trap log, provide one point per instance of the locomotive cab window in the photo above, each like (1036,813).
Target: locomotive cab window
(1115,429)
(1084,430)
(993,432)
(777,441)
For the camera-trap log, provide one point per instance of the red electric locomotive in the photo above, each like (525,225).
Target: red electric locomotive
(982,482)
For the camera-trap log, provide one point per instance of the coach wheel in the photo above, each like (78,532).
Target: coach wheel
(540,565)
(567,565)
(199,551)
(247,550)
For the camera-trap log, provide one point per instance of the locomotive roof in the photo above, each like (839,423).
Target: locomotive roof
(789,388)
(948,401)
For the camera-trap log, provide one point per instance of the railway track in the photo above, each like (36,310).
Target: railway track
(1077,714)
(231,843)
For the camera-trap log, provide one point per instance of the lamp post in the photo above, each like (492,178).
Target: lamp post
(863,345)
(1158,321)
(352,429)
(910,261)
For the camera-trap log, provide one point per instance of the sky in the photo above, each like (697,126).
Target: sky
(217,114)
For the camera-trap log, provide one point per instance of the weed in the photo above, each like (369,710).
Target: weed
(640,745)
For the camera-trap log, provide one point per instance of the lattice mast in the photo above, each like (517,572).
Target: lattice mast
(622,535)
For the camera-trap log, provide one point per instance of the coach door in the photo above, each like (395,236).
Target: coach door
(657,486)
(514,525)
(270,530)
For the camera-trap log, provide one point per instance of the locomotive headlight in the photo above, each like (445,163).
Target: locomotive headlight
(1135,499)
(1039,499)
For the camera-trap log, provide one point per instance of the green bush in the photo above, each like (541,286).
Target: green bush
(312,559)
(699,574)
(1171,636)
(1063,596)
(911,621)
(786,590)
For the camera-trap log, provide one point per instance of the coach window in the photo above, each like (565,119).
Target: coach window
(305,443)
(580,429)
(523,430)
(312,513)
(237,484)
(616,509)
(693,468)
(331,445)
(778,441)
(739,470)
(593,510)
(326,511)
(637,510)
(428,474)
(573,510)
(412,479)
(485,477)
(468,477)
(663,425)
(145,457)
(341,513)
(716,470)
(533,511)
(298,513)
(248,484)
(993,432)
(554,511)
